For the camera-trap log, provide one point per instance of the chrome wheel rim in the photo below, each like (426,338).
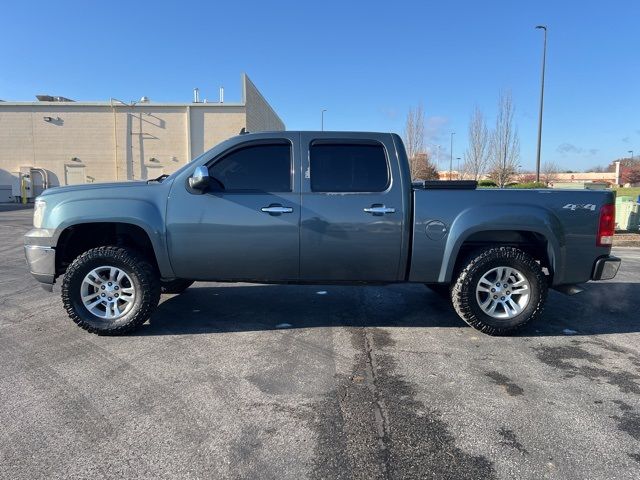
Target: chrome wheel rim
(107,292)
(503,292)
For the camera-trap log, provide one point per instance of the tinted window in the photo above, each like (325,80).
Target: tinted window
(264,168)
(348,168)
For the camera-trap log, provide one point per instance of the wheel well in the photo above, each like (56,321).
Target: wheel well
(535,244)
(77,239)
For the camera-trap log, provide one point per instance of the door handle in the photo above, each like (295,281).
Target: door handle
(276,209)
(379,210)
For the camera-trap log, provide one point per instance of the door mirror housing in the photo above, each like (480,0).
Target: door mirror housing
(200,178)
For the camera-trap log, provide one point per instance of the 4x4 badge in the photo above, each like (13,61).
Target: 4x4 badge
(586,206)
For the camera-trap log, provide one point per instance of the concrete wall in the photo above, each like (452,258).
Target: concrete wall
(98,142)
(208,128)
(260,116)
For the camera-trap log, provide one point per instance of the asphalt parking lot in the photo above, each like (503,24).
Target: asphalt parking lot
(278,382)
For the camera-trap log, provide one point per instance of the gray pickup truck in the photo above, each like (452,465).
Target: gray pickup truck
(315,207)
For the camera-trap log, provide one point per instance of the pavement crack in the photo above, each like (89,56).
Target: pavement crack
(379,408)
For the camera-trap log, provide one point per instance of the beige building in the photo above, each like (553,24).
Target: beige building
(585,177)
(61,142)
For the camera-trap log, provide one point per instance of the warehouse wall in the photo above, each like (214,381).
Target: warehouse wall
(151,140)
(85,142)
(260,116)
(208,128)
(16,146)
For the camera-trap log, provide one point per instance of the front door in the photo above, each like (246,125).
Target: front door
(245,226)
(353,209)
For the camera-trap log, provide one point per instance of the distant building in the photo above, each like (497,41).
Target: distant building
(59,142)
(562,180)
(453,175)
(583,177)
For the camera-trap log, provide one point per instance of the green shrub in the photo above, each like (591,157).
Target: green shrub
(528,185)
(487,183)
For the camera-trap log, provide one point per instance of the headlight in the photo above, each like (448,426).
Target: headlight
(38,212)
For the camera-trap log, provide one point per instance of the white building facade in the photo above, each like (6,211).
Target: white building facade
(51,143)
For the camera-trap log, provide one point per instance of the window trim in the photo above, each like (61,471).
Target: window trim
(350,141)
(255,143)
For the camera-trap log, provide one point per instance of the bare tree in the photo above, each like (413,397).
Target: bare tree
(425,168)
(549,172)
(504,144)
(414,139)
(477,155)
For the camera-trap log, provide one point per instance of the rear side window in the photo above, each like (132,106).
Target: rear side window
(348,167)
(264,168)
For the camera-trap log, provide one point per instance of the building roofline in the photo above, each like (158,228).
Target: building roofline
(245,80)
(120,105)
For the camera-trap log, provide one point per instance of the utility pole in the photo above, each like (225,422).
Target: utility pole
(544,59)
(451,156)
(322,119)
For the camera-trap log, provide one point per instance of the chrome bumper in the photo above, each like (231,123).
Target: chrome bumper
(42,262)
(605,268)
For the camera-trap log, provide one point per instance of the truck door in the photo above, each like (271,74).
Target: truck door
(245,226)
(353,209)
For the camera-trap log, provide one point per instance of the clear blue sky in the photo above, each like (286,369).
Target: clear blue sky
(366,62)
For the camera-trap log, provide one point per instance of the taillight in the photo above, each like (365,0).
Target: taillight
(606,225)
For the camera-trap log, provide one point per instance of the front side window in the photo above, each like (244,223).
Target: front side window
(348,167)
(264,168)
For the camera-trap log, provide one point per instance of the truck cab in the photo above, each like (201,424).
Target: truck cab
(312,206)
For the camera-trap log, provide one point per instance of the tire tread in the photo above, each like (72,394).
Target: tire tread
(463,293)
(150,283)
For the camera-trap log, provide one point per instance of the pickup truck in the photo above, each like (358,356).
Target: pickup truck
(315,208)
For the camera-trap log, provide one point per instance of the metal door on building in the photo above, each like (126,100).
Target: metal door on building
(75,174)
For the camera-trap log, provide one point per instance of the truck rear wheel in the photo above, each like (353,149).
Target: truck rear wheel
(499,290)
(110,290)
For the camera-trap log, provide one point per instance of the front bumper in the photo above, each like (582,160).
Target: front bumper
(40,255)
(605,268)
(42,262)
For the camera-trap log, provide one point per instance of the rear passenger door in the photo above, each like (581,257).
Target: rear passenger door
(352,213)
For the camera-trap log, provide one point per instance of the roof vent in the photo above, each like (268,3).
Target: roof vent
(52,98)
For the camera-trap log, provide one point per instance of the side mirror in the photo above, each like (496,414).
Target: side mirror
(200,178)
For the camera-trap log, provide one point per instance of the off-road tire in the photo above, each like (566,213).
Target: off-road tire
(177,285)
(463,294)
(143,276)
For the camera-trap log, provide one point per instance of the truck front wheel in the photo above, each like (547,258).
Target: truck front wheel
(499,290)
(110,290)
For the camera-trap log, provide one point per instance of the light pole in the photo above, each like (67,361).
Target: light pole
(631,153)
(451,155)
(458,168)
(322,119)
(544,59)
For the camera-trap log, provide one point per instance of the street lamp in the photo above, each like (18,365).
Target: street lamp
(458,168)
(631,152)
(544,58)
(322,119)
(451,155)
